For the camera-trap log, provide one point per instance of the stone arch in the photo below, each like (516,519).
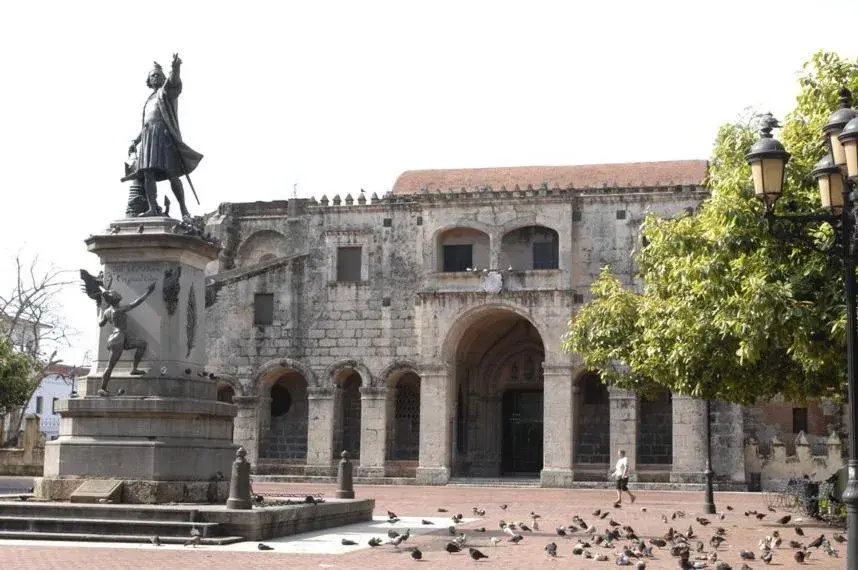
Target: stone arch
(479,238)
(226,392)
(466,320)
(403,437)
(498,426)
(336,373)
(258,245)
(270,370)
(394,370)
(283,386)
(528,247)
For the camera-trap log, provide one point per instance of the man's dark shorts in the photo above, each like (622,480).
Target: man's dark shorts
(622,483)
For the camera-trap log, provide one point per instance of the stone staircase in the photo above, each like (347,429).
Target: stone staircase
(30,520)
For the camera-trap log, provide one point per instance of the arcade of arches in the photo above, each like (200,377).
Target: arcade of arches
(509,414)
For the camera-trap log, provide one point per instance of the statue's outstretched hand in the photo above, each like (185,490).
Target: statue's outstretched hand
(176,60)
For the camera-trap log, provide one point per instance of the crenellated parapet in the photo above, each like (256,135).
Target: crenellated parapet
(777,467)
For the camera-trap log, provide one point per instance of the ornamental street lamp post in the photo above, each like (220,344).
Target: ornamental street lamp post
(837,177)
(708,474)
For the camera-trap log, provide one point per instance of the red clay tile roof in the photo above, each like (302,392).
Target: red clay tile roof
(627,175)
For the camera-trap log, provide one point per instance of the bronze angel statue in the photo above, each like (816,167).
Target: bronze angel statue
(111,311)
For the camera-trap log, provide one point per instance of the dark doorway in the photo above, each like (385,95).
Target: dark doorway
(522,432)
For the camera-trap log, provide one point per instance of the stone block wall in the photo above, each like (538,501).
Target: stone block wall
(29,459)
(774,469)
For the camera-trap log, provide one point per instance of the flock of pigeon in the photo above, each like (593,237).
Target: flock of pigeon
(616,540)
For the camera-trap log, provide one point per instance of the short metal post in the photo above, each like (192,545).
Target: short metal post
(345,486)
(239,483)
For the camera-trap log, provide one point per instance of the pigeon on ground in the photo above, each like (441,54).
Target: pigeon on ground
(503,507)
(839,538)
(516,538)
(262,546)
(391,515)
(452,530)
(452,547)
(442,510)
(784,519)
(480,529)
(426,522)
(746,555)
(392,534)
(155,540)
(561,531)
(348,542)
(524,527)
(799,556)
(196,537)
(766,557)
(374,541)
(476,554)
(816,542)
(799,531)
(416,554)
(551,549)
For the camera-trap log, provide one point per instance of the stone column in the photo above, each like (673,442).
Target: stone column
(436,424)
(559,418)
(728,436)
(320,431)
(625,423)
(689,439)
(373,430)
(245,427)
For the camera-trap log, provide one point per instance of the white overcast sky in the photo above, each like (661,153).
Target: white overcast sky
(338,96)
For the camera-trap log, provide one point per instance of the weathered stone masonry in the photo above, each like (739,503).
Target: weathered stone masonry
(421,331)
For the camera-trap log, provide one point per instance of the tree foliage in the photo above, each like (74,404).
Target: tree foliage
(725,310)
(31,329)
(15,370)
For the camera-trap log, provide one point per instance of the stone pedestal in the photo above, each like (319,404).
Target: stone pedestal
(373,430)
(320,432)
(559,418)
(436,421)
(689,439)
(163,432)
(624,426)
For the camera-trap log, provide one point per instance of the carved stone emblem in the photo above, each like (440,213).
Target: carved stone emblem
(172,286)
(493,283)
(192,321)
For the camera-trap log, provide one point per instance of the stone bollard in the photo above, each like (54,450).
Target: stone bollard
(345,487)
(239,483)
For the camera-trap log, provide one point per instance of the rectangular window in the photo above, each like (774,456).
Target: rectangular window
(348,263)
(263,309)
(458,257)
(799,420)
(545,255)
(38,404)
(54,405)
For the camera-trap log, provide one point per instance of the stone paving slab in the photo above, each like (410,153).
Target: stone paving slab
(556,507)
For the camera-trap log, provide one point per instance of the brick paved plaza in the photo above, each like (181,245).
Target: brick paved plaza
(555,506)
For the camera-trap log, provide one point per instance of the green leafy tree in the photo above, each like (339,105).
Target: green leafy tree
(725,310)
(15,370)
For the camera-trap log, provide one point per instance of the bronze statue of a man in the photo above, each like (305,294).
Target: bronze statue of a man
(158,153)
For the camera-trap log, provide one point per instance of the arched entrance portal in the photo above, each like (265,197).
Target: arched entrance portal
(499,408)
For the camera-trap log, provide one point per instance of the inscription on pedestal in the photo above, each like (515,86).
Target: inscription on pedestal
(98,490)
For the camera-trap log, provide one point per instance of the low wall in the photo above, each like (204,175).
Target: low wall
(775,469)
(29,459)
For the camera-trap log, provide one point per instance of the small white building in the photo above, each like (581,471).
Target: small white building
(57,383)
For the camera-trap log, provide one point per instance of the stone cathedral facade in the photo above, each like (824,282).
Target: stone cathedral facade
(421,331)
